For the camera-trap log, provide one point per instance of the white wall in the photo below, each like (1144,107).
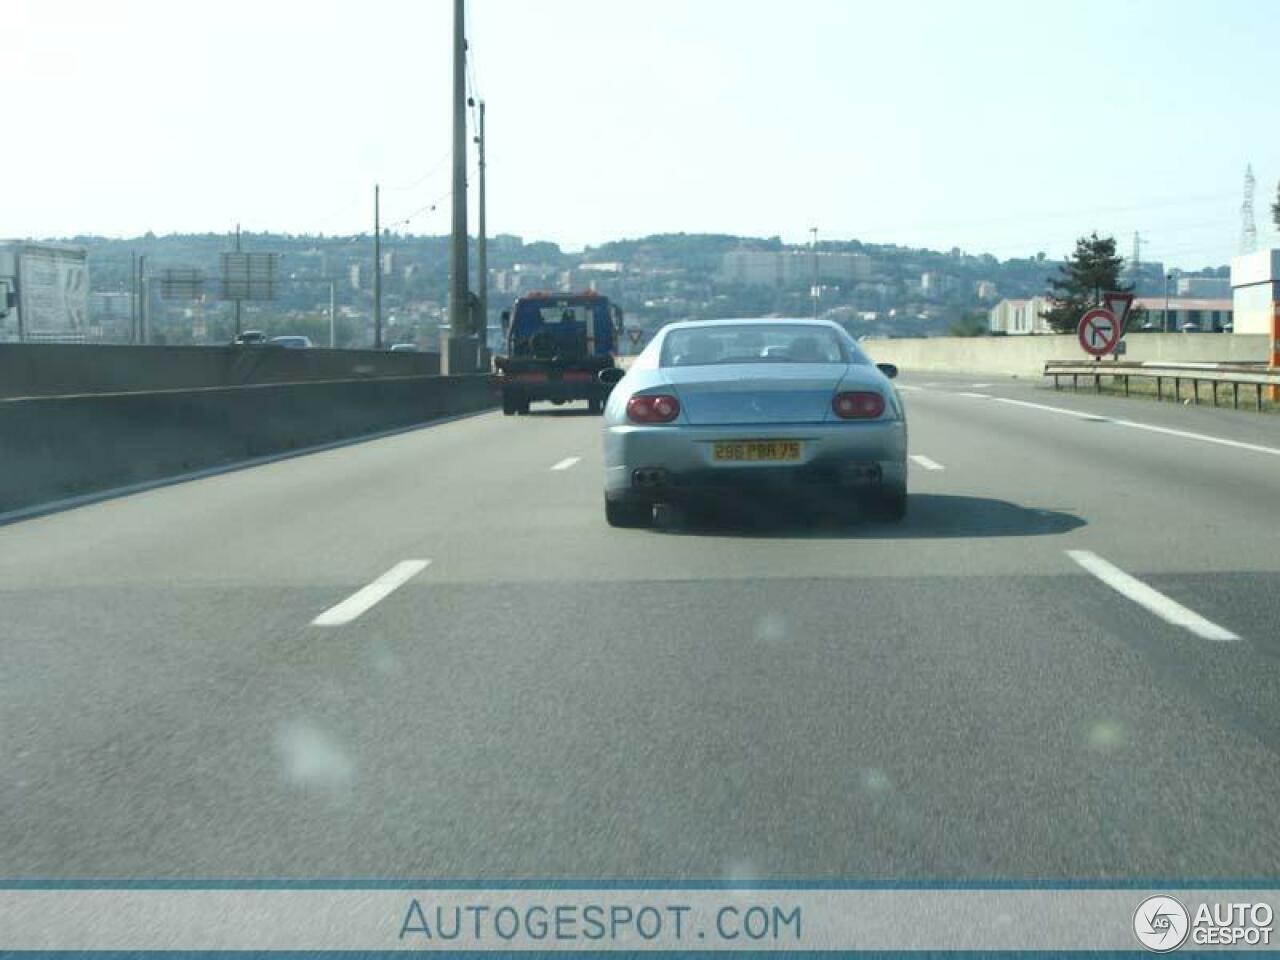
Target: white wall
(1255,288)
(1026,356)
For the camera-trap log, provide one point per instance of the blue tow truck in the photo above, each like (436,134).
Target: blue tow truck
(555,346)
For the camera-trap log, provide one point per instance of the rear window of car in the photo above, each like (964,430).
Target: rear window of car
(755,343)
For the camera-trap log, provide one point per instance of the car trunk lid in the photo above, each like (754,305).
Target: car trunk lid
(756,393)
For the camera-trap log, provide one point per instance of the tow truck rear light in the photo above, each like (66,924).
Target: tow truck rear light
(858,405)
(653,408)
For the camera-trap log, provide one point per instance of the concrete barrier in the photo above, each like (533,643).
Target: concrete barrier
(1026,356)
(57,447)
(54,369)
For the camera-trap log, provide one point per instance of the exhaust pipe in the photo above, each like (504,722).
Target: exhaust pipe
(649,477)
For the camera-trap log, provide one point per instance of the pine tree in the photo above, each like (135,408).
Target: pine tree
(1092,270)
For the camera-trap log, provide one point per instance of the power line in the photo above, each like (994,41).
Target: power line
(425,208)
(434,168)
(473,88)
(1078,213)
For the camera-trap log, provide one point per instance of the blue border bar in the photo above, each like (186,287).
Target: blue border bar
(410,884)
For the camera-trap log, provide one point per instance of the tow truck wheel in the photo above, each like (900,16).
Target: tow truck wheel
(595,407)
(508,405)
(522,408)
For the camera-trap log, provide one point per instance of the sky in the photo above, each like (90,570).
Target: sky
(996,127)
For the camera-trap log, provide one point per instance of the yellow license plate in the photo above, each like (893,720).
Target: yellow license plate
(757,451)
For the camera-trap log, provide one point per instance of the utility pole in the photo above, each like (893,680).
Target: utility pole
(237,300)
(813,292)
(1165,325)
(332,326)
(133,297)
(482,257)
(377,271)
(143,320)
(458,268)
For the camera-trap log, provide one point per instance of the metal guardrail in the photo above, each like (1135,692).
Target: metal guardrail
(1216,375)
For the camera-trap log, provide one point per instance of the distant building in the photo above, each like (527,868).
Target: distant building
(1255,290)
(1215,288)
(787,268)
(1020,317)
(985,290)
(601,267)
(354,272)
(934,284)
(388,263)
(1209,314)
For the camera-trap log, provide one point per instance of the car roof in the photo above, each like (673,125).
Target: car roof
(752,321)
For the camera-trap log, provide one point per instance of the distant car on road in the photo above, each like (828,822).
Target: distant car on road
(1190,327)
(291,342)
(775,406)
(403,348)
(249,337)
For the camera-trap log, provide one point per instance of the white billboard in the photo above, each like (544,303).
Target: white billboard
(53,290)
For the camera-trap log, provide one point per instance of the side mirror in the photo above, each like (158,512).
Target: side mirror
(888,369)
(610,375)
(506,320)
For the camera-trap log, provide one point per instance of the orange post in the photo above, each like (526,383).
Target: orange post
(1275,347)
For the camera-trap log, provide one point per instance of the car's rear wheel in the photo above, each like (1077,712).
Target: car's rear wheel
(625,513)
(890,504)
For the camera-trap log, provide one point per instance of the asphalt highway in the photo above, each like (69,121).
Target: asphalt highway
(1065,664)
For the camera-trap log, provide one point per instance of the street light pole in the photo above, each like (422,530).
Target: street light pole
(813,292)
(458,271)
(482,258)
(1165,325)
(332,327)
(377,270)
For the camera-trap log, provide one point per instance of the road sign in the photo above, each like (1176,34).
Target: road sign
(1099,332)
(1118,304)
(249,276)
(181,283)
(635,335)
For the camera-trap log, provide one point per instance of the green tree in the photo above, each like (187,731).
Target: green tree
(1275,207)
(971,324)
(1093,269)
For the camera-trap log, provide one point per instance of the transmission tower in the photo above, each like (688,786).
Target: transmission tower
(1248,227)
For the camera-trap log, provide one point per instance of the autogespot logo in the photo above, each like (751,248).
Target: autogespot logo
(1161,923)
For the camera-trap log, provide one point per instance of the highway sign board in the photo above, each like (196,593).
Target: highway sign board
(635,335)
(249,276)
(181,283)
(1099,331)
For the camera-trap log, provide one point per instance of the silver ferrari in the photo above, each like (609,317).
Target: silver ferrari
(785,407)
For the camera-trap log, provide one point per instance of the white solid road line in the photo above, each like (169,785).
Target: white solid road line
(566,463)
(907,386)
(980,396)
(366,597)
(1133,424)
(1163,607)
(1186,435)
(979,386)
(926,462)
